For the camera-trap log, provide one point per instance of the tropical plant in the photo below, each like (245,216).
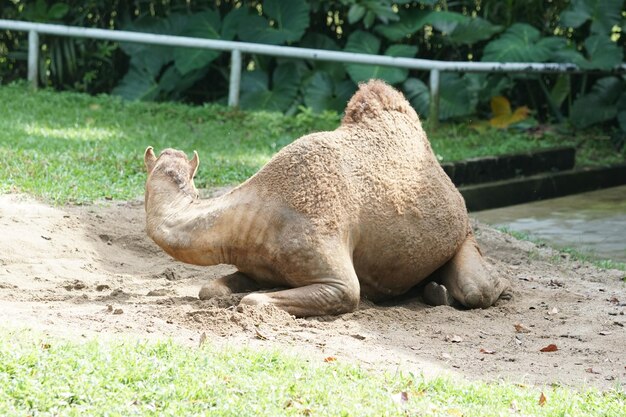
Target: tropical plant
(588,33)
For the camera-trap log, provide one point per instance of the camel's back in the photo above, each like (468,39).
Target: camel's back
(377,179)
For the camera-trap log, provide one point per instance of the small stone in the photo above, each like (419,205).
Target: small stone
(157,293)
(118,311)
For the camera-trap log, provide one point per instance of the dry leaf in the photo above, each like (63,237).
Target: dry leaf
(542,399)
(401,397)
(520,328)
(550,348)
(614,300)
(260,335)
(591,371)
(487,351)
(330,359)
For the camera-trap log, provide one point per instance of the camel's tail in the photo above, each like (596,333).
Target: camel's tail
(374,98)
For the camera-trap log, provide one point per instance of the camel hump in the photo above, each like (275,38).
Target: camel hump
(372,99)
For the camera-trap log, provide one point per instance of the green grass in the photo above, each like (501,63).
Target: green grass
(68,147)
(46,377)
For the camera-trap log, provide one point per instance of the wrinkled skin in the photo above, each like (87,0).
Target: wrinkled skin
(364,210)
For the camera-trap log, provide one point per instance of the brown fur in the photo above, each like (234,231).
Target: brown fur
(362,210)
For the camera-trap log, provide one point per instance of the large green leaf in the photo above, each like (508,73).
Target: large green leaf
(446,22)
(206,25)
(483,86)
(410,22)
(521,43)
(455,98)
(473,30)
(230,23)
(290,20)
(292,17)
(413,20)
(599,105)
(602,53)
(324,93)
(364,42)
(319,41)
(151,58)
(604,14)
(418,95)
(256,93)
(137,84)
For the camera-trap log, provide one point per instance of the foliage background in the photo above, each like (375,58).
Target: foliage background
(589,33)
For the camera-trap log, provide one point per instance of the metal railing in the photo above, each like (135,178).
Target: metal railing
(237,48)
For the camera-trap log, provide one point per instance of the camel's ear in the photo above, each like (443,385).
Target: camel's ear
(195,161)
(149,159)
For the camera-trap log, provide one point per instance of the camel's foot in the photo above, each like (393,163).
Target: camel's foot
(468,279)
(437,295)
(226,285)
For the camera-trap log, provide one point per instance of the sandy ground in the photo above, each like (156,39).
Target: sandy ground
(91,272)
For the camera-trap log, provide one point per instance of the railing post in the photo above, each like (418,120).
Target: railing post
(235,78)
(433,111)
(33,57)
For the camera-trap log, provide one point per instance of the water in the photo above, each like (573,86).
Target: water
(593,222)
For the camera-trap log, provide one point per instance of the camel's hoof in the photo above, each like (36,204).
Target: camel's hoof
(210,291)
(437,295)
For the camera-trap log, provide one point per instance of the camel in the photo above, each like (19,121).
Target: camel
(362,211)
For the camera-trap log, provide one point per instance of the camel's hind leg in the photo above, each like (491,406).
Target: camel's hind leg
(466,279)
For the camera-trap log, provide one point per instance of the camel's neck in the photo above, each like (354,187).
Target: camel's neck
(185,226)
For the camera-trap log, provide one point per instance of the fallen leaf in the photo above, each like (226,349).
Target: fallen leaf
(260,335)
(550,348)
(591,371)
(487,351)
(401,397)
(520,328)
(542,399)
(614,300)
(45,345)
(330,359)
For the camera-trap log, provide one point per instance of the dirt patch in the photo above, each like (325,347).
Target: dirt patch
(91,271)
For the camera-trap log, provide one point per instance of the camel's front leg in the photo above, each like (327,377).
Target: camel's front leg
(226,285)
(466,279)
(331,297)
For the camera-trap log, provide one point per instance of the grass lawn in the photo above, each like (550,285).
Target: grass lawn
(68,147)
(41,377)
